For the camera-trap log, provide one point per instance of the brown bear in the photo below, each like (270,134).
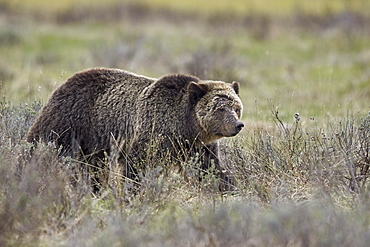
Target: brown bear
(100,109)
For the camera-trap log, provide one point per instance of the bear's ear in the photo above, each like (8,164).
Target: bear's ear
(235,86)
(196,91)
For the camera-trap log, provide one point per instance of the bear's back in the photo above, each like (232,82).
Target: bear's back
(97,81)
(80,108)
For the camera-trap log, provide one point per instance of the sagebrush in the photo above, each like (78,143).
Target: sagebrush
(297,185)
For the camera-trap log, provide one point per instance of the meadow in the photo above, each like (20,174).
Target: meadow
(301,163)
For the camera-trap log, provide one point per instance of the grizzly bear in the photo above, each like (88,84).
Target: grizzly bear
(98,110)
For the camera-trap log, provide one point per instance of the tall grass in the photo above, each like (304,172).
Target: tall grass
(297,186)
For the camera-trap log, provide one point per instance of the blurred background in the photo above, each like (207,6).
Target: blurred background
(311,57)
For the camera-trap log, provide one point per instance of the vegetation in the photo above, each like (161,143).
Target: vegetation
(302,163)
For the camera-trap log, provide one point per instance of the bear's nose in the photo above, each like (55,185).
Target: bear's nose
(238,126)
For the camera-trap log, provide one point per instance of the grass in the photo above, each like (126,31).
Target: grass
(210,7)
(303,181)
(297,186)
(308,64)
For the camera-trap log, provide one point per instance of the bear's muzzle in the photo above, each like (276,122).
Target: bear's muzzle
(238,126)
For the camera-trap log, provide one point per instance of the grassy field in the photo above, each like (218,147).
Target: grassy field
(301,181)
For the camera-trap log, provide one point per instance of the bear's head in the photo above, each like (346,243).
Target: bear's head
(217,107)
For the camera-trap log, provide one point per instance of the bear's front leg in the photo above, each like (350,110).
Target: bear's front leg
(211,162)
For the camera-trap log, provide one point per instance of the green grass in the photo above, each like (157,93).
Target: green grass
(303,72)
(307,69)
(205,7)
(301,183)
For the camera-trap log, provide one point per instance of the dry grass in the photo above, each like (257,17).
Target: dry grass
(296,187)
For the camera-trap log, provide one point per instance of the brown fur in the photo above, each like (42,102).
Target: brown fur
(96,108)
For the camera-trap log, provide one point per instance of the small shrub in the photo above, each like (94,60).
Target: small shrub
(295,184)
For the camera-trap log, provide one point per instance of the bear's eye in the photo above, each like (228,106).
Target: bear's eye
(222,103)
(237,111)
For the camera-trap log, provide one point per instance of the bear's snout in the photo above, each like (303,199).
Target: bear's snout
(232,129)
(238,126)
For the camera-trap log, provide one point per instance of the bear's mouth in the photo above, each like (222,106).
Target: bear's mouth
(233,131)
(227,133)
(233,134)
